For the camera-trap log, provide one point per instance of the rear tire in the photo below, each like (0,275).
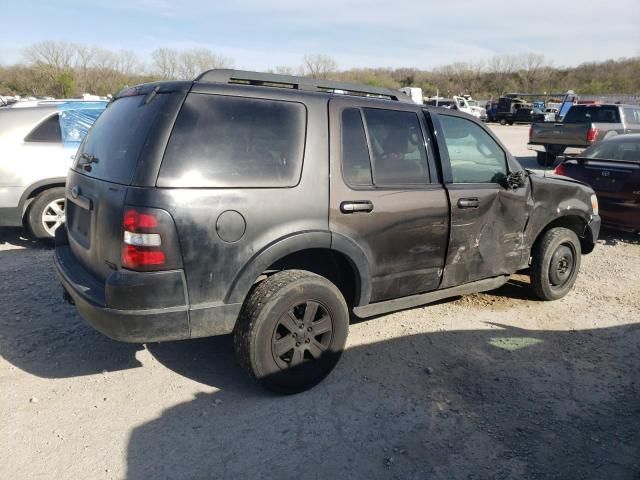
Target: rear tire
(556,263)
(503,121)
(291,331)
(47,213)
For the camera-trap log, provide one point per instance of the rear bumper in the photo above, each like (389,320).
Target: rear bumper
(139,307)
(537,147)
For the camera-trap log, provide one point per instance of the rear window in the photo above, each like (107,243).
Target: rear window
(229,142)
(113,145)
(592,114)
(628,150)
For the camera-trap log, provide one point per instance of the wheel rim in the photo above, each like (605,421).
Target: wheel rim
(53,216)
(303,333)
(561,265)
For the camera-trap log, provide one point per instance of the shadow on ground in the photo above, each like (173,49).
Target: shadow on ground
(482,404)
(612,237)
(39,332)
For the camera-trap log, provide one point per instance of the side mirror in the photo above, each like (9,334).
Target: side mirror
(516,180)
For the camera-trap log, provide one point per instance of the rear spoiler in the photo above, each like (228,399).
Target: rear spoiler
(157,87)
(584,160)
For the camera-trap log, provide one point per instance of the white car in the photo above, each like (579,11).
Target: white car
(36,147)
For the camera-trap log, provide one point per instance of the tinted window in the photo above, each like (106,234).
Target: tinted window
(595,114)
(235,142)
(46,131)
(116,139)
(397,147)
(356,165)
(475,157)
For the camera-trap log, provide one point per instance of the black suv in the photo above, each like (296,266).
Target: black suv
(273,206)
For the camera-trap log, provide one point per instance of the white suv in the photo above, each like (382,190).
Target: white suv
(36,147)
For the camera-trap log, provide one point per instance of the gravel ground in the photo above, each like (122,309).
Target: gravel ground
(488,386)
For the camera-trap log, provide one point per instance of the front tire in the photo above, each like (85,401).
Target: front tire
(47,213)
(291,331)
(556,263)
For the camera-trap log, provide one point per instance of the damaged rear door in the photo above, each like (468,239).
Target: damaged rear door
(487,217)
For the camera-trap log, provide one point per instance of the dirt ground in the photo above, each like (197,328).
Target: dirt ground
(488,386)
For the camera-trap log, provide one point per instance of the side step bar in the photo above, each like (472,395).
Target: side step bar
(396,304)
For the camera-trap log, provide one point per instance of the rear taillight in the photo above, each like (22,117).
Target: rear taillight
(149,240)
(560,170)
(592,135)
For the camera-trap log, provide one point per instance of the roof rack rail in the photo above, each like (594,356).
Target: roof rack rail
(243,77)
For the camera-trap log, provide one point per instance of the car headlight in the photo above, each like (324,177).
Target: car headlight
(594,204)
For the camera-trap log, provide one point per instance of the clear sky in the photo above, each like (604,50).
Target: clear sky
(262,34)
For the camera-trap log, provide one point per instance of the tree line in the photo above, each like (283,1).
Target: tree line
(63,69)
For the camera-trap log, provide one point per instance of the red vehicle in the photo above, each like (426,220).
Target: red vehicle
(612,168)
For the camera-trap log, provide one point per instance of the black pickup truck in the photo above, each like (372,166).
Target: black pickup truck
(583,126)
(271,207)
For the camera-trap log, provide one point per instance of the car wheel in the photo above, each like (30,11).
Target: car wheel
(291,331)
(556,262)
(510,123)
(545,159)
(503,121)
(47,213)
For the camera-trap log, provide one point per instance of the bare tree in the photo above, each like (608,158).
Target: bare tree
(128,63)
(54,61)
(165,63)
(502,69)
(55,55)
(283,70)
(197,60)
(532,70)
(318,65)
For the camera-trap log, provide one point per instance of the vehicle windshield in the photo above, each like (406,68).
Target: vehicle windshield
(628,150)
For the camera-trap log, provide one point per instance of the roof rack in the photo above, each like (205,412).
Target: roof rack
(243,77)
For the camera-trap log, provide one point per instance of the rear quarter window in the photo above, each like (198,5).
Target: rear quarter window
(47,131)
(227,142)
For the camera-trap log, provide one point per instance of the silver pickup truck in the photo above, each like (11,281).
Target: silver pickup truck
(582,126)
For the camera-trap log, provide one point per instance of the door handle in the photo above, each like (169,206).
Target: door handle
(468,203)
(356,206)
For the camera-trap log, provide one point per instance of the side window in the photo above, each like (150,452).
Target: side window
(631,115)
(356,165)
(76,123)
(228,142)
(474,156)
(46,131)
(397,147)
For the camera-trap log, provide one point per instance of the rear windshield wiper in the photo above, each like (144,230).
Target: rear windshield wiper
(89,159)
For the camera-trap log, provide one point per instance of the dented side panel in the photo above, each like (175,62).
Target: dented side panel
(554,198)
(487,240)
